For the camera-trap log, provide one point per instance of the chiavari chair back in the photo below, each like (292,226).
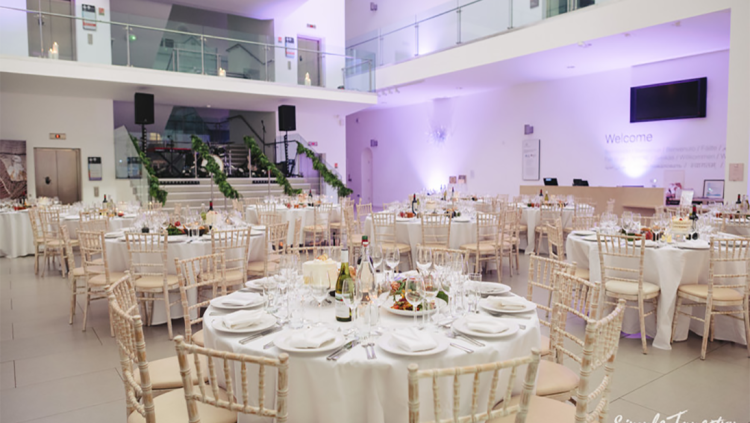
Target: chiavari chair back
(507,408)
(320,231)
(585,223)
(384,233)
(436,230)
(555,243)
(36,230)
(53,245)
(213,395)
(95,265)
(547,215)
(75,274)
(201,278)
(276,240)
(542,276)
(488,243)
(234,246)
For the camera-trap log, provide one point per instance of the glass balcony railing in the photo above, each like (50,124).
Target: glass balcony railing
(454,23)
(177,47)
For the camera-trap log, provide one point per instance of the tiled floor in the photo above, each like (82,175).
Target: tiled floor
(53,372)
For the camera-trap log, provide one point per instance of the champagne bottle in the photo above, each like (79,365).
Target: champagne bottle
(343,313)
(366,271)
(105,200)
(414,204)
(739,199)
(546,197)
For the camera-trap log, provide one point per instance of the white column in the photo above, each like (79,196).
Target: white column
(738,111)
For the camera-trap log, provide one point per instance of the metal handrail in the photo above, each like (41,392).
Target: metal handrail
(173,31)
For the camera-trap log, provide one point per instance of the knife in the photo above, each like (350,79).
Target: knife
(260,335)
(341,351)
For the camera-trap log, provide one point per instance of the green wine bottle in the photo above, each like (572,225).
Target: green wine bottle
(343,313)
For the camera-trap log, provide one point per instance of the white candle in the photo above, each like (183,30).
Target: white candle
(222,72)
(308,81)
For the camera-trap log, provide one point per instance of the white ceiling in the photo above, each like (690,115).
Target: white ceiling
(257,9)
(698,35)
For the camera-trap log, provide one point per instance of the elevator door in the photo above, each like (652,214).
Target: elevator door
(309,61)
(51,29)
(58,173)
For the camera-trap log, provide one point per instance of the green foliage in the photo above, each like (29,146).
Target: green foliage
(257,154)
(154,190)
(329,177)
(213,168)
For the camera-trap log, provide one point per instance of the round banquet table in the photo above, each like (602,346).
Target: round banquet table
(73,222)
(307,215)
(355,389)
(668,267)
(119,261)
(17,239)
(409,231)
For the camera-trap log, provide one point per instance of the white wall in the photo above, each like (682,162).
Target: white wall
(87,123)
(360,20)
(14,37)
(328,17)
(99,49)
(572,117)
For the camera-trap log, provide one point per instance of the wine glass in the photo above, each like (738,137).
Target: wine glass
(414,293)
(431,288)
(351,295)
(376,254)
(392,258)
(424,258)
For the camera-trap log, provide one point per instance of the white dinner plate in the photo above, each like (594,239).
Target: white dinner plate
(266,322)
(492,288)
(583,233)
(485,305)
(461,219)
(72,217)
(405,219)
(282,343)
(218,303)
(385,344)
(460,325)
(590,238)
(114,235)
(692,245)
(389,302)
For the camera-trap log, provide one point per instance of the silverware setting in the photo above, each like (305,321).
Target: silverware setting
(462,348)
(454,335)
(260,335)
(343,350)
(370,350)
(269,345)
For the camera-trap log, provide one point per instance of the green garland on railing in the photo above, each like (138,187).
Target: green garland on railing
(213,168)
(154,190)
(257,154)
(329,177)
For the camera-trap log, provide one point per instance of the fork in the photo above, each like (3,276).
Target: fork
(372,349)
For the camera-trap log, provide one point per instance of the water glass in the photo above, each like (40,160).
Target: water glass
(424,258)
(392,258)
(414,294)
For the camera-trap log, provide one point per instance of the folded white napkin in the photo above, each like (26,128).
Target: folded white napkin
(313,338)
(488,287)
(243,318)
(413,340)
(114,234)
(507,303)
(482,323)
(241,299)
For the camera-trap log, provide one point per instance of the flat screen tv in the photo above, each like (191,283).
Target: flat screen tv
(671,100)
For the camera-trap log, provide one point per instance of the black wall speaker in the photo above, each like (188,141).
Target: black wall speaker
(287,118)
(144,109)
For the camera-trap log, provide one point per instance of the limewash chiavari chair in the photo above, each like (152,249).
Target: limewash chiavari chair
(95,225)
(436,230)
(542,276)
(234,246)
(555,245)
(150,270)
(203,404)
(736,221)
(296,245)
(205,277)
(53,244)
(585,223)
(160,375)
(611,205)
(509,238)
(384,233)
(320,230)
(251,201)
(36,230)
(575,296)
(275,245)
(75,274)
(547,215)
(600,347)
(96,268)
(272,218)
(512,410)
(352,226)
(621,263)
(363,210)
(487,245)
(730,261)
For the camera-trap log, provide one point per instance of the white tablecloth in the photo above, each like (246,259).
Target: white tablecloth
(355,389)
(533,217)
(117,256)
(115,224)
(307,215)
(16,236)
(409,231)
(668,267)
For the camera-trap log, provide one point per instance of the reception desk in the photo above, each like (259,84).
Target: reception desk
(637,200)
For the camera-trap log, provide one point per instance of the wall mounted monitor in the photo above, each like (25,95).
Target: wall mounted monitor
(550,182)
(671,100)
(580,183)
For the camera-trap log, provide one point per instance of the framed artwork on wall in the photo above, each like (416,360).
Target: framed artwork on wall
(713,189)
(530,160)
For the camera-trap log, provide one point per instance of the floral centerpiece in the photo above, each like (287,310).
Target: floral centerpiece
(397,292)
